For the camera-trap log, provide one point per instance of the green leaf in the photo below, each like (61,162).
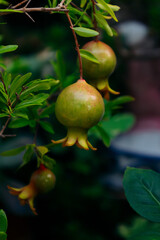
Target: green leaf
(35,88)
(115,8)
(140,229)
(141,188)
(4,2)
(7,79)
(18,123)
(2,115)
(100,19)
(49,162)
(118,124)
(47,126)
(42,150)
(60,71)
(28,154)
(104,135)
(10,11)
(18,83)
(83,3)
(47,111)
(68,2)
(8,48)
(3,221)
(89,56)
(35,100)
(122,100)
(20,114)
(3,236)
(3,66)
(108,9)
(13,152)
(85,32)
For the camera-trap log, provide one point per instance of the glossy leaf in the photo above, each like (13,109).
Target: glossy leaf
(28,154)
(35,100)
(83,3)
(122,100)
(100,19)
(85,32)
(88,55)
(104,136)
(141,188)
(118,124)
(49,162)
(108,9)
(18,83)
(47,127)
(3,236)
(8,48)
(13,152)
(3,221)
(18,123)
(42,150)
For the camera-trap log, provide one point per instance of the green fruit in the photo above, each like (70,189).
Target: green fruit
(79,107)
(98,74)
(43,180)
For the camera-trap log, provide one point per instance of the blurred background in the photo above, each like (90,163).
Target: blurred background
(88,201)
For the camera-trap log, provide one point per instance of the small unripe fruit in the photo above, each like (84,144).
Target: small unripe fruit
(98,74)
(79,107)
(41,181)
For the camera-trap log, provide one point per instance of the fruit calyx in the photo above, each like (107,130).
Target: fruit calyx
(76,136)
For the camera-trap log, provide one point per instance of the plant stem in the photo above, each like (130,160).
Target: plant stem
(36,9)
(4,127)
(94,19)
(77,46)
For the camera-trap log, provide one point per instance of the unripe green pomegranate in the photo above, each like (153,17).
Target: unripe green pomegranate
(98,74)
(41,181)
(79,107)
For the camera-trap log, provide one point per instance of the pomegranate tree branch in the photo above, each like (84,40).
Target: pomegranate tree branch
(77,46)
(4,127)
(94,19)
(36,9)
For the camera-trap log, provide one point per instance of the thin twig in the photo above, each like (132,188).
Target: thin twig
(27,14)
(36,9)
(61,3)
(94,18)
(77,46)
(4,127)
(27,3)
(19,4)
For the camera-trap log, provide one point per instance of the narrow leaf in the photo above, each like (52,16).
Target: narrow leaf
(47,126)
(85,32)
(100,19)
(13,152)
(8,48)
(108,9)
(88,55)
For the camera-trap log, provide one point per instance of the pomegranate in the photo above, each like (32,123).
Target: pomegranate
(98,74)
(79,107)
(41,181)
